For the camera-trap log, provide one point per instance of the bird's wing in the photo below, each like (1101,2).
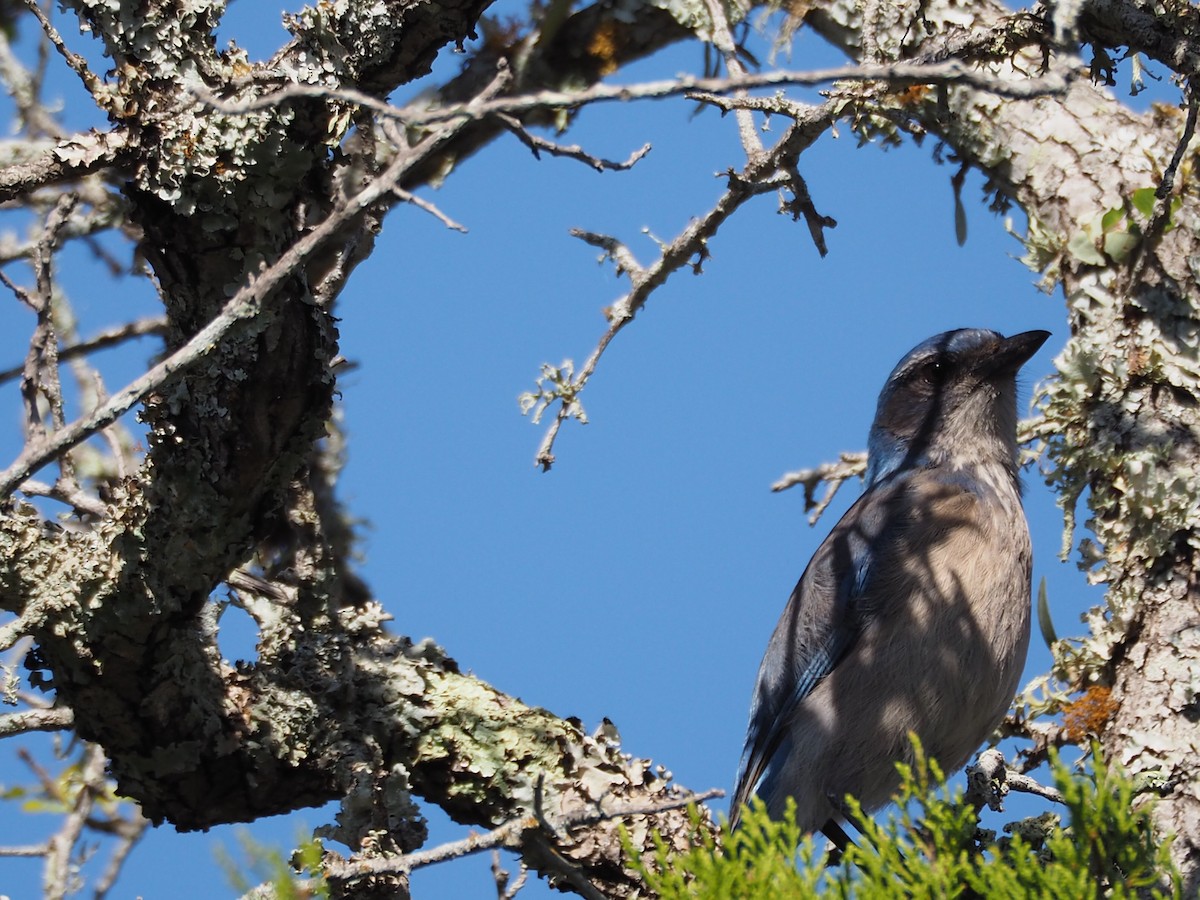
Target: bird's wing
(819,626)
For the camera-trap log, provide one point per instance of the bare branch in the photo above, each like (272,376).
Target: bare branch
(58,877)
(900,74)
(239,312)
(849,465)
(423,204)
(56,719)
(775,104)
(68,494)
(538,144)
(765,173)
(627,263)
(990,779)
(77,789)
(505,890)
(131,831)
(24,297)
(40,372)
(110,337)
(801,204)
(78,64)
(722,39)
(1024,784)
(511,834)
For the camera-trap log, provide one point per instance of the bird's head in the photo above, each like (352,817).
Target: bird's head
(951,399)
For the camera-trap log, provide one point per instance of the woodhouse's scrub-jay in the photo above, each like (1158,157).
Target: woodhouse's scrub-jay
(913,614)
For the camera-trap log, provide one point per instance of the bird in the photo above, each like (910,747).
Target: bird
(913,614)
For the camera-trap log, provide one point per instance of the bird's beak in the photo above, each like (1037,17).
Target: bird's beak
(1013,352)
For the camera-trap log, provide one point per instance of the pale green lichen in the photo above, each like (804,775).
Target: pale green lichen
(1123,409)
(555,384)
(159,35)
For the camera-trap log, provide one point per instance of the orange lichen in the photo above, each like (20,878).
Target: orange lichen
(1137,358)
(913,95)
(1089,714)
(605,46)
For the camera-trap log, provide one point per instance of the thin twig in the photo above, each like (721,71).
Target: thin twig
(241,309)
(110,337)
(44,347)
(77,63)
(25,297)
(722,39)
(427,206)
(58,871)
(133,829)
(990,778)
(25,850)
(506,890)
(613,249)
(70,494)
(1162,194)
(776,104)
(507,835)
(538,144)
(762,174)
(850,465)
(832,475)
(900,74)
(1026,785)
(801,205)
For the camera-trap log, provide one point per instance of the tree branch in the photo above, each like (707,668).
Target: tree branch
(54,719)
(898,74)
(239,313)
(70,158)
(761,175)
(514,834)
(110,337)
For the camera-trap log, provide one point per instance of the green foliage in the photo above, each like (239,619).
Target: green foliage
(758,860)
(1114,234)
(931,847)
(264,864)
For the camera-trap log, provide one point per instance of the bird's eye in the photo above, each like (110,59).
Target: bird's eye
(934,371)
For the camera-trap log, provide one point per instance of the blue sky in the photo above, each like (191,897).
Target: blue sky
(640,579)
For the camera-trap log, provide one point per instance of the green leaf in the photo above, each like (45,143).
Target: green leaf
(1143,200)
(1045,622)
(1119,244)
(1083,247)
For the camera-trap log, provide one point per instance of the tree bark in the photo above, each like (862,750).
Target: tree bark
(1123,411)
(235,483)
(235,491)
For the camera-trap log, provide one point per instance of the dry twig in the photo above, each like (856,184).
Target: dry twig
(242,311)
(511,834)
(765,173)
